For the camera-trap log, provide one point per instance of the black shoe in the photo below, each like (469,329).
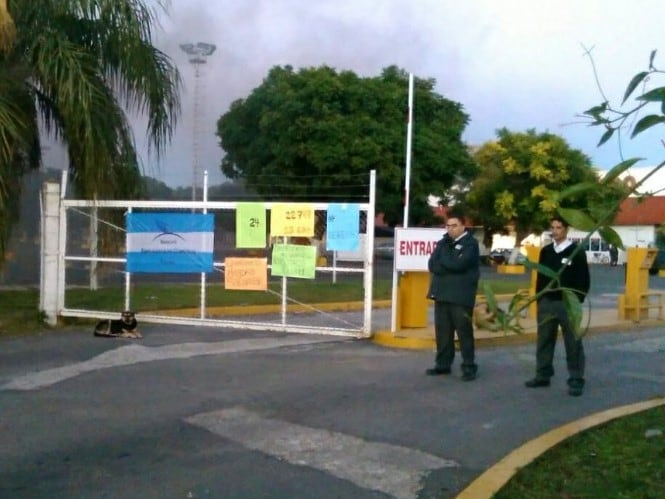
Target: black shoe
(468,376)
(575,391)
(437,371)
(575,387)
(537,383)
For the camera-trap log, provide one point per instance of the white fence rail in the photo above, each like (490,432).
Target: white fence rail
(59,254)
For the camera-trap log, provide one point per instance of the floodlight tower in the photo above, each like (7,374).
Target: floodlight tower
(198,54)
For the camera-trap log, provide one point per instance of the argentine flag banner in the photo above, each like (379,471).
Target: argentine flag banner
(170,242)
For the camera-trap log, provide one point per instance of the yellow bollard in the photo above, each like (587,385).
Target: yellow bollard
(505,268)
(412,296)
(635,302)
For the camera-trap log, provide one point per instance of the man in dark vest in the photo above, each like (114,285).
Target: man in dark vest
(552,313)
(454,268)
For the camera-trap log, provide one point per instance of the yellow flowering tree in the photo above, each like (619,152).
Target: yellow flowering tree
(522,176)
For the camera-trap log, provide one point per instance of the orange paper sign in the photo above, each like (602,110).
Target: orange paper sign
(246,273)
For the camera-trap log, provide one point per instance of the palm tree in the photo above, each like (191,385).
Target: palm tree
(7,32)
(77,67)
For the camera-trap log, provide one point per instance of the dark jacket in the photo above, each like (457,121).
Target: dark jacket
(575,274)
(454,271)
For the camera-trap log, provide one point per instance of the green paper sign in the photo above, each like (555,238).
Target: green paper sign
(250,225)
(292,260)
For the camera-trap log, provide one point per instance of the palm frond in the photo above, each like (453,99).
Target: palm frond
(75,66)
(7,28)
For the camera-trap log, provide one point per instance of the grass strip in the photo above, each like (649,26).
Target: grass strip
(20,314)
(615,459)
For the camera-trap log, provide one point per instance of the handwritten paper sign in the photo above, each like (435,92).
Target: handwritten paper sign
(246,273)
(292,260)
(250,225)
(291,219)
(342,233)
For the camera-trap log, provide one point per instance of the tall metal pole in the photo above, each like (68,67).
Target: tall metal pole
(196,129)
(407,183)
(407,176)
(198,54)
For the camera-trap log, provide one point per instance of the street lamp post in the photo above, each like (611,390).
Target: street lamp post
(198,54)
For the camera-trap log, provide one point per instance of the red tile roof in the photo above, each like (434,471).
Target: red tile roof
(647,211)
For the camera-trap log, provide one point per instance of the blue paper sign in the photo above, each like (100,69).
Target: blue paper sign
(343,223)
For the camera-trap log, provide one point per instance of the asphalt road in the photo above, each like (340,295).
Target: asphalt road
(196,412)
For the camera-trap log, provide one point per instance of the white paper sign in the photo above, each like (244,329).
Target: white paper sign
(413,247)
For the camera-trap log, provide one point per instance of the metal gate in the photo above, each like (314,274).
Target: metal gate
(73,259)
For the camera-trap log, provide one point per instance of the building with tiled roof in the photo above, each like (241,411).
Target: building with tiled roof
(637,223)
(641,211)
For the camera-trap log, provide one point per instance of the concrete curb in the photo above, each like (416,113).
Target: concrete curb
(388,339)
(491,481)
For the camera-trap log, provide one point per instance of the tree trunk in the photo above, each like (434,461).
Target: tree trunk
(514,254)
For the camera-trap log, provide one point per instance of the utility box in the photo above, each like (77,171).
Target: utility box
(413,302)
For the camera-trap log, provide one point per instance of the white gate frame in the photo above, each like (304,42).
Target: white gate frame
(54,260)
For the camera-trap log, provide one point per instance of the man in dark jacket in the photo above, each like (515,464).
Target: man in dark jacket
(454,268)
(561,253)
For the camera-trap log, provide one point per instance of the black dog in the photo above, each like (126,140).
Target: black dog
(125,327)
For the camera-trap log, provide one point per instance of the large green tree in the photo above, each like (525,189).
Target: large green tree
(526,177)
(314,134)
(76,66)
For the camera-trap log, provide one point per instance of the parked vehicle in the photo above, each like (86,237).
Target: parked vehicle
(502,255)
(385,251)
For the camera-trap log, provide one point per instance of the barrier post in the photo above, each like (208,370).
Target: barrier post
(50,237)
(533,254)
(633,305)
(413,302)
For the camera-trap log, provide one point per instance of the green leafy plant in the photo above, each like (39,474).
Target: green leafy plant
(645,110)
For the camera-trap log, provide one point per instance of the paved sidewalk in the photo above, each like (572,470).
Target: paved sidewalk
(596,320)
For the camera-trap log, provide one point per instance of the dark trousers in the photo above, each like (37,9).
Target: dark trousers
(551,315)
(448,319)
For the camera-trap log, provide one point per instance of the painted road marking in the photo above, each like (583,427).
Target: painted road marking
(135,354)
(387,468)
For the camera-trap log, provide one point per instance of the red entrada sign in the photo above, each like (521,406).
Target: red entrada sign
(414,246)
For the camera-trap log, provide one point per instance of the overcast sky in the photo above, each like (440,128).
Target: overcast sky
(513,63)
